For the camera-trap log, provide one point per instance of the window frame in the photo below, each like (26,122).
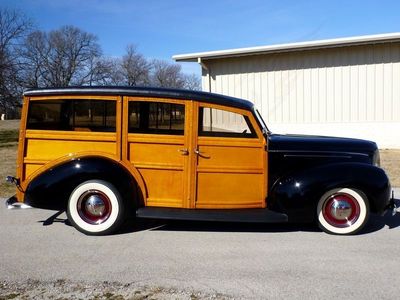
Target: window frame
(71,116)
(158,132)
(244,113)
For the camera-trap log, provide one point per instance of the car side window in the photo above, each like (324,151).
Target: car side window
(156,117)
(222,123)
(72,115)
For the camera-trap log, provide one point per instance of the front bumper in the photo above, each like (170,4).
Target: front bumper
(393,206)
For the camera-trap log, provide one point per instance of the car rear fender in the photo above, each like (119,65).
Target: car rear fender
(51,189)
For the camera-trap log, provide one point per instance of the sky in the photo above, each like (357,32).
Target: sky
(161,29)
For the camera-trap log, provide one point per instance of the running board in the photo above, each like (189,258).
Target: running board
(257,215)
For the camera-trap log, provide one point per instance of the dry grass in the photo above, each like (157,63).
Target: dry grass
(9,125)
(390,162)
(390,158)
(8,154)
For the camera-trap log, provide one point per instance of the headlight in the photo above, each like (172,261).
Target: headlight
(376,160)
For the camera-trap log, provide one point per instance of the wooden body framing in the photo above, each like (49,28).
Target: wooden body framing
(182,171)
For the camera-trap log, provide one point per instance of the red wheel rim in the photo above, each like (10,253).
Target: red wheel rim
(341,210)
(94,207)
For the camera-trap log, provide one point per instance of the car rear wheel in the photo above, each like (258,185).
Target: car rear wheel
(342,211)
(95,207)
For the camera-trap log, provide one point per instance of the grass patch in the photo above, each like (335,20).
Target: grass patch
(9,125)
(390,162)
(8,157)
(10,296)
(8,138)
(9,130)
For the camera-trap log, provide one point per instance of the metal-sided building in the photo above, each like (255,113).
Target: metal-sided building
(340,87)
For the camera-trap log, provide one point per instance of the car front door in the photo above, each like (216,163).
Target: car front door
(231,162)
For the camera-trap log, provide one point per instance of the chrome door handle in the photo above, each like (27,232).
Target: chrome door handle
(184,151)
(200,154)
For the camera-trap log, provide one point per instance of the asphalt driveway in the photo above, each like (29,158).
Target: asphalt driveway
(235,260)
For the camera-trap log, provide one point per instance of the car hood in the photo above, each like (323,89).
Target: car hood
(308,143)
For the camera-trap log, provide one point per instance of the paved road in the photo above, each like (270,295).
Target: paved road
(242,261)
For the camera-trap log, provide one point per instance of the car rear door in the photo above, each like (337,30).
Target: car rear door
(156,137)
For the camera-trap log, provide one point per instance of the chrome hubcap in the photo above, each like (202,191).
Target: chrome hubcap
(341,210)
(94,207)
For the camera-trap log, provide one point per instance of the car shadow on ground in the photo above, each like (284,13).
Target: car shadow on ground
(377,222)
(374,224)
(200,226)
(55,218)
(137,225)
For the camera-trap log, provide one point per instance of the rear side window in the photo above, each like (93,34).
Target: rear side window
(72,115)
(156,117)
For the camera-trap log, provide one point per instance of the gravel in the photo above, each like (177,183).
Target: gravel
(64,289)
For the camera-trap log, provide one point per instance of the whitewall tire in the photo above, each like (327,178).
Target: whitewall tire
(342,211)
(95,207)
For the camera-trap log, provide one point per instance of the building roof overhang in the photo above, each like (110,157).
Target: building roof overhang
(300,46)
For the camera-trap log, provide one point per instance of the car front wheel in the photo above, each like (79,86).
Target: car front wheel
(342,211)
(95,207)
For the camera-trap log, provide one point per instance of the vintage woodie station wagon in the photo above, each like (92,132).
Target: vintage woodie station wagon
(103,153)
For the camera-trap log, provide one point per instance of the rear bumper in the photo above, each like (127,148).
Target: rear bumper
(12,203)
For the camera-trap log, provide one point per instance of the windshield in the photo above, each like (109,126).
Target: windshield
(261,121)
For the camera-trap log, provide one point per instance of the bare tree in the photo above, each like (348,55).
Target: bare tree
(63,57)
(104,71)
(192,82)
(135,67)
(34,55)
(165,74)
(13,28)
(71,56)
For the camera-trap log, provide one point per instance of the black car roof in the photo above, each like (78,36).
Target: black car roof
(146,92)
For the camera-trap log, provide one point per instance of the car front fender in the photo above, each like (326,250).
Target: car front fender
(298,193)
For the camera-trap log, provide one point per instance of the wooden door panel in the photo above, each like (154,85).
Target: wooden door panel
(229,190)
(167,155)
(162,166)
(164,187)
(230,176)
(230,157)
